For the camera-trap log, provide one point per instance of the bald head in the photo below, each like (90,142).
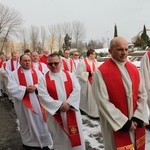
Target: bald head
(46,52)
(119,49)
(117,40)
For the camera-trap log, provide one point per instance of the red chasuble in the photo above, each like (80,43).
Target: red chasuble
(117,95)
(71,116)
(26,98)
(88,69)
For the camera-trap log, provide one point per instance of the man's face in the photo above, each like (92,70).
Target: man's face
(66,54)
(76,55)
(120,51)
(54,64)
(14,56)
(25,62)
(93,55)
(35,57)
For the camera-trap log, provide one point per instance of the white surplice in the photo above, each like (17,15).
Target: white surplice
(33,129)
(145,73)
(87,102)
(60,139)
(8,65)
(44,67)
(69,64)
(111,118)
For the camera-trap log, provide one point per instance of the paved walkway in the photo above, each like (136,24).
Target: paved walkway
(9,135)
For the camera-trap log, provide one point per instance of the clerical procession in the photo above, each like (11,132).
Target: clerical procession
(55,95)
(74,75)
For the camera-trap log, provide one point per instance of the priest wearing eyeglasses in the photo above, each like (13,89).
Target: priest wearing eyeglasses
(59,94)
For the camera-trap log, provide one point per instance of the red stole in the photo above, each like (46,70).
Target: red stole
(12,64)
(148,53)
(2,64)
(66,65)
(44,59)
(88,69)
(117,96)
(39,66)
(26,98)
(71,116)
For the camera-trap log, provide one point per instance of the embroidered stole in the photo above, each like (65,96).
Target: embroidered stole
(117,95)
(26,98)
(73,133)
(88,69)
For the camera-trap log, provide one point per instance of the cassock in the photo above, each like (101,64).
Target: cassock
(87,102)
(40,66)
(145,73)
(111,118)
(33,128)
(60,138)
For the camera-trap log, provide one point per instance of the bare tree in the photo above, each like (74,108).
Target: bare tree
(95,44)
(24,37)
(59,32)
(67,29)
(10,23)
(52,37)
(43,37)
(79,32)
(34,36)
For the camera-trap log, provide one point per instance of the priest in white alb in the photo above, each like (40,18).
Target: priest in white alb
(145,73)
(59,94)
(37,64)
(22,86)
(84,72)
(67,62)
(121,99)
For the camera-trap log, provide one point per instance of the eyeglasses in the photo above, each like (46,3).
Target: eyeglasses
(53,63)
(76,54)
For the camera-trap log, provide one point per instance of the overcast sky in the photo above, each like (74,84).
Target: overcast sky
(98,16)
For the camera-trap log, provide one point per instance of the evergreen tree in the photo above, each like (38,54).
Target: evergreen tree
(115,31)
(144,38)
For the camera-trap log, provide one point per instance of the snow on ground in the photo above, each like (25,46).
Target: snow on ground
(92,134)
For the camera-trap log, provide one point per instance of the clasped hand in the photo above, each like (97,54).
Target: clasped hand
(30,88)
(64,107)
